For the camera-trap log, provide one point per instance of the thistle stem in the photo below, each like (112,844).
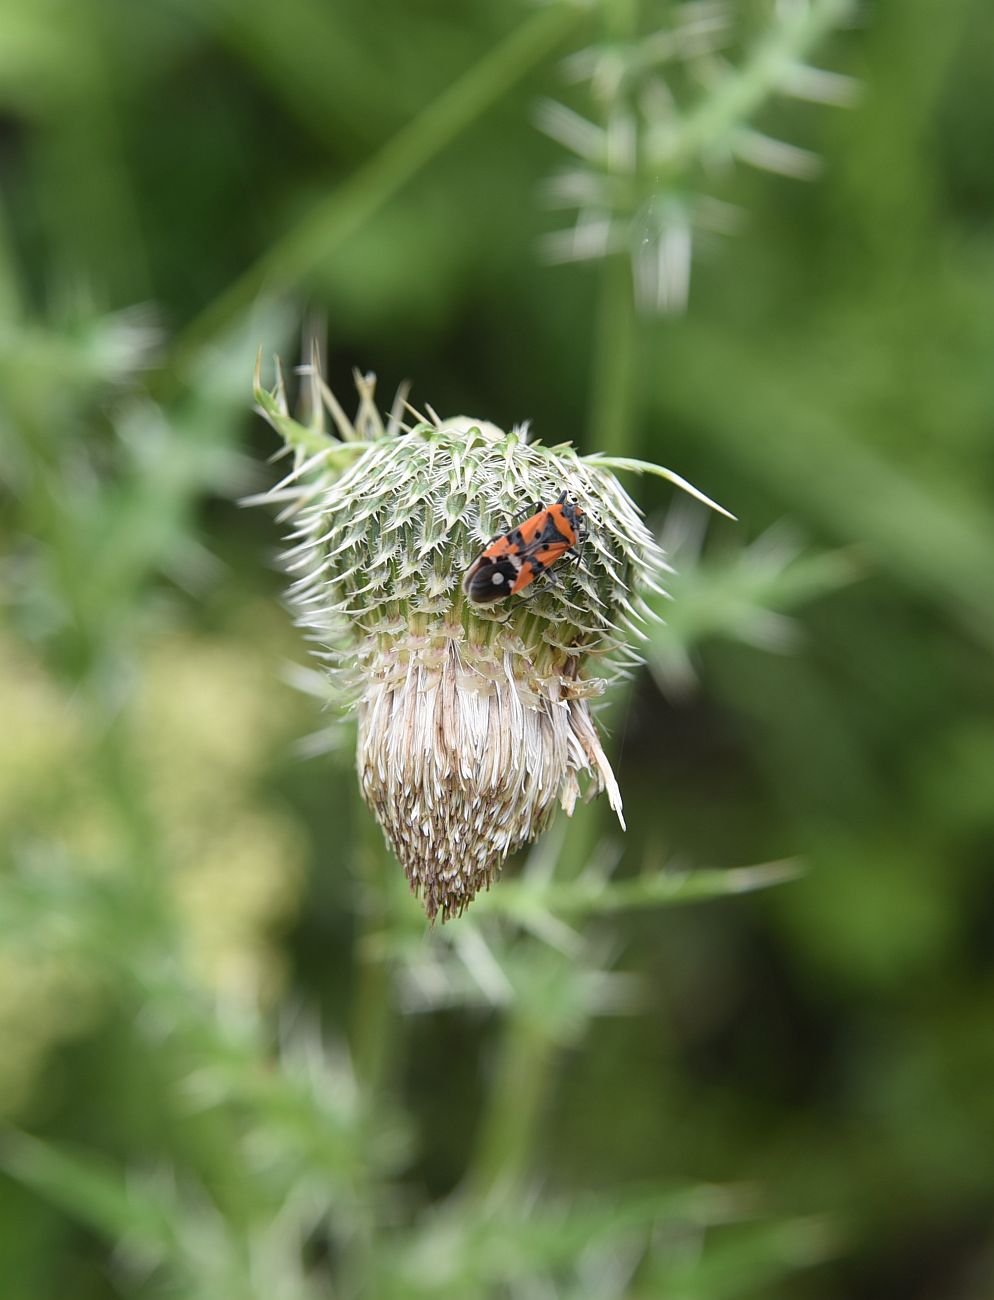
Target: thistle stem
(516,1096)
(613,397)
(373,1009)
(374,1027)
(615,392)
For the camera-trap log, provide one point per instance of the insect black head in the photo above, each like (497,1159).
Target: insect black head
(571,510)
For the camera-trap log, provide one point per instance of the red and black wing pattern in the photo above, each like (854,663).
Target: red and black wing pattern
(516,558)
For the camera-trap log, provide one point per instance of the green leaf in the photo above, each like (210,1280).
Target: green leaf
(647,467)
(522,898)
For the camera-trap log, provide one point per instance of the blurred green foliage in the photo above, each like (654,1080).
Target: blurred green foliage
(578,1089)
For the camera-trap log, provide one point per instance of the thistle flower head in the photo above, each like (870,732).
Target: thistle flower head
(474,720)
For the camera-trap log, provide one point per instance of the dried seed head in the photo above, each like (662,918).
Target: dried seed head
(474,720)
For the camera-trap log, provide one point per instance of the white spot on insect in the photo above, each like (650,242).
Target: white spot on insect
(497,579)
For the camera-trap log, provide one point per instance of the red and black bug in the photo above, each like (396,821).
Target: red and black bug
(514,559)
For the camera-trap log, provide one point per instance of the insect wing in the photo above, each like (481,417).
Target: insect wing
(536,560)
(491,577)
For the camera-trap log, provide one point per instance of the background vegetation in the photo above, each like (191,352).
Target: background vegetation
(233,1063)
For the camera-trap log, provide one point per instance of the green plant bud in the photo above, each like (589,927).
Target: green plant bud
(474,720)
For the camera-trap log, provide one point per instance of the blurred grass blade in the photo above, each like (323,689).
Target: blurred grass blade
(88,1189)
(931,532)
(746,1259)
(318,234)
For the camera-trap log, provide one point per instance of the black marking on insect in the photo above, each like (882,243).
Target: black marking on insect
(514,559)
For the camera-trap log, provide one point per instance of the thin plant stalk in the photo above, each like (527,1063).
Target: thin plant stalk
(515,1101)
(291,259)
(614,390)
(615,396)
(375,1026)
(374,1018)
